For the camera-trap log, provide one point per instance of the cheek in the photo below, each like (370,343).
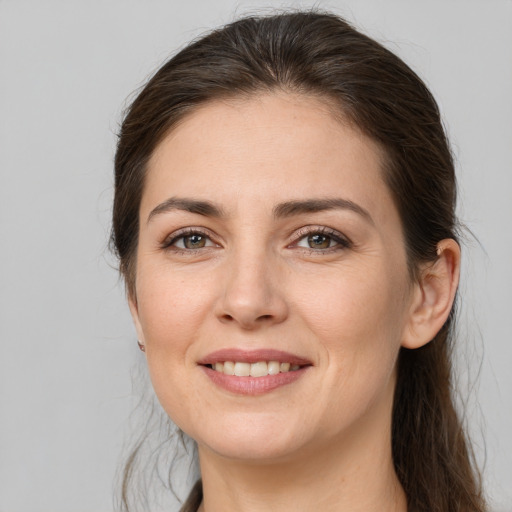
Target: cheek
(362,307)
(171,305)
(358,319)
(171,309)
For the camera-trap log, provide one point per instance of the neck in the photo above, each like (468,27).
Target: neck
(353,473)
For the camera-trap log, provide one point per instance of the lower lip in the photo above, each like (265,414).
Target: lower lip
(253,385)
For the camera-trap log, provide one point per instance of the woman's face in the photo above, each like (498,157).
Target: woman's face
(267,235)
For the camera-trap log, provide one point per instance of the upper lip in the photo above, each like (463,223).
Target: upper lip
(252,356)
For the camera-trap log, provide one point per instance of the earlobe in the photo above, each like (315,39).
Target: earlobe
(433,296)
(134,310)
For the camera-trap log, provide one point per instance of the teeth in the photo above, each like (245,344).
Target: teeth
(229,368)
(242,369)
(273,367)
(259,369)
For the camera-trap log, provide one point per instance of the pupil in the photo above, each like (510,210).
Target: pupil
(318,241)
(194,241)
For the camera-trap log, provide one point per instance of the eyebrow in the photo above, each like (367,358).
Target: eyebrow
(282,210)
(291,208)
(205,208)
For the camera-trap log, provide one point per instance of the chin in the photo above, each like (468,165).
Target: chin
(251,440)
(250,451)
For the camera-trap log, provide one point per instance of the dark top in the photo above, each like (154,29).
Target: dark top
(194,498)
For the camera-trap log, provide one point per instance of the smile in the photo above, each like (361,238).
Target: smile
(259,369)
(253,372)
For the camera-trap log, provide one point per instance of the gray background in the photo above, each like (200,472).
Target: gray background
(67,344)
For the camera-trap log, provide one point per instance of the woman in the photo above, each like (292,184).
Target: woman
(284,219)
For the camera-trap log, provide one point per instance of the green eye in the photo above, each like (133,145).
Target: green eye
(318,241)
(194,241)
(190,241)
(322,239)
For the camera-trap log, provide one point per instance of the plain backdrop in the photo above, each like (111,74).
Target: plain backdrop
(67,344)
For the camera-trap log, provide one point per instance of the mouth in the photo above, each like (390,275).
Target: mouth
(258,369)
(253,372)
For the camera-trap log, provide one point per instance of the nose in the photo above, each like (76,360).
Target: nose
(251,296)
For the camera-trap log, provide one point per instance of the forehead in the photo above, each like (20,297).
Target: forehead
(269,148)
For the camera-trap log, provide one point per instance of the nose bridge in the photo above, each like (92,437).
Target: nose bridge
(250,294)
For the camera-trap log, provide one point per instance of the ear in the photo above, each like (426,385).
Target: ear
(433,295)
(134,310)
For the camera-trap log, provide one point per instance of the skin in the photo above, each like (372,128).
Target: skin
(322,442)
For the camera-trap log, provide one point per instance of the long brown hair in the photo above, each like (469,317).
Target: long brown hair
(320,54)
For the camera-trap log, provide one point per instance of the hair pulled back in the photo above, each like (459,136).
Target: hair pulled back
(319,54)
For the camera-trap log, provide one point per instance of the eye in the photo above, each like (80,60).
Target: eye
(321,239)
(189,240)
(195,241)
(316,241)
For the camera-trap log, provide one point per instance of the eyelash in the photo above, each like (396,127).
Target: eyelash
(341,241)
(168,243)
